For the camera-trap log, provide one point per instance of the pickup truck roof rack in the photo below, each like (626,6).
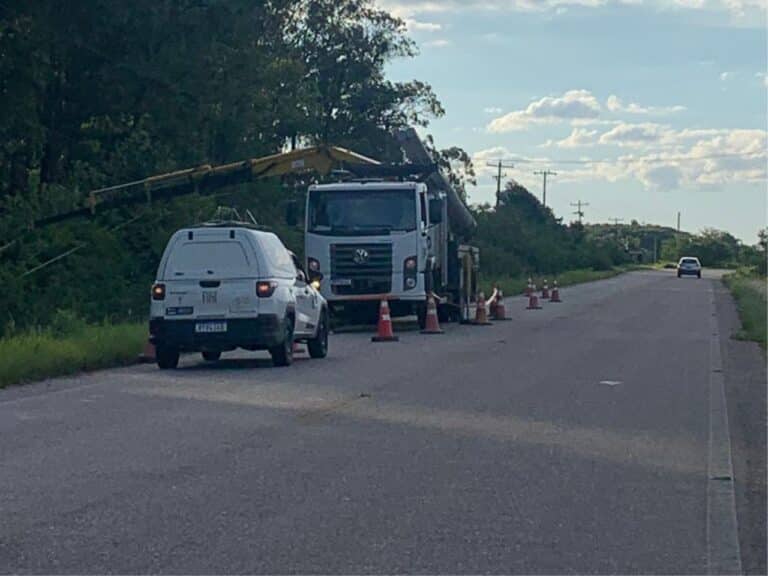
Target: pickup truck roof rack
(231,224)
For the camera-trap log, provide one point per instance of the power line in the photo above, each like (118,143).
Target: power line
(545,173)
(579,212)
(499,165)
(615,220)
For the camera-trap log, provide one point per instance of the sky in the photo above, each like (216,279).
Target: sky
(643,108)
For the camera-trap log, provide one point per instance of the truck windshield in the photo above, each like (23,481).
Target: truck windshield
(362,212)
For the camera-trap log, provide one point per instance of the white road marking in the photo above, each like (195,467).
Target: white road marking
(723,551)
(611,382)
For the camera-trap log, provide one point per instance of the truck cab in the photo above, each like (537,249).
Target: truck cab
(373,240)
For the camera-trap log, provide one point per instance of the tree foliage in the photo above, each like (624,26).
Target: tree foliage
(103,92)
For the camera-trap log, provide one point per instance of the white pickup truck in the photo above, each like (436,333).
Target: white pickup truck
(229,285)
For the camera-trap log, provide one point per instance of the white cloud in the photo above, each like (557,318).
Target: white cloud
(579,138)
(440,43)
(419,26)
(662,158)
(749,13)
(615,104)
(763,77)
(493,110)
(632,134)
(725,76)
(670,159)
(573,105)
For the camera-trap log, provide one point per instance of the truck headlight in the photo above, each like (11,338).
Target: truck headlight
(410,272)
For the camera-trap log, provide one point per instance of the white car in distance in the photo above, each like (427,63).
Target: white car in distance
(689,266)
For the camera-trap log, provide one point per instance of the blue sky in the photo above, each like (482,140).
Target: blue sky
(663,102)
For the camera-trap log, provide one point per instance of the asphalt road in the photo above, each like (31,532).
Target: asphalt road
(574,439)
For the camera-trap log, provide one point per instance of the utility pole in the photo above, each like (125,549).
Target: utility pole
(678,221)
(545,173)
(499,166)
(579,212)
(616,226)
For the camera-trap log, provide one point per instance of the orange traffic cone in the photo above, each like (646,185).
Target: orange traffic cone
(384,332)
(533,300)
(481,316)
(432,325)
(555,293)
(529,289)
(500,311)
(149,353)
(545,291)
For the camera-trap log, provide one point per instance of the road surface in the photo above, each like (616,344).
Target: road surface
(575,439)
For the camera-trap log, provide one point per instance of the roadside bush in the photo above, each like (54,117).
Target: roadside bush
(66,323)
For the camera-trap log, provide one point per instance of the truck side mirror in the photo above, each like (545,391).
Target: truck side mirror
(292,213)
(436,210)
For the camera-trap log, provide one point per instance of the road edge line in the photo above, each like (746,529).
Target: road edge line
(723,550)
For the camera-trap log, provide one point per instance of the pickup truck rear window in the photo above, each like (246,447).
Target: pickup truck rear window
(218,259)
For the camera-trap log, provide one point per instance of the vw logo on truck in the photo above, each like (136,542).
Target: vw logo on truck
(361,256)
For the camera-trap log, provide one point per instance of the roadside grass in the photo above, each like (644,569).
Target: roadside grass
(512,286)
(749,291)
(44,354)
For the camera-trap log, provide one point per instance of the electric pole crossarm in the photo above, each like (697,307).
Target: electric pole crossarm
(579,209)
(544,173)
(500,165)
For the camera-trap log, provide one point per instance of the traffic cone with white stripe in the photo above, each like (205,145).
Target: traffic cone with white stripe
(481,315)
(545,291)
(500,311)
(432,324)
(555,293)
(384,331)
(529,289)
(533,300)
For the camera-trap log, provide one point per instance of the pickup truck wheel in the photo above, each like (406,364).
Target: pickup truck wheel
(167,358)
(282,354)
(318,346)
(211,355)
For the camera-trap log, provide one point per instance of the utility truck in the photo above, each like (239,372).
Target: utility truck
(398,234)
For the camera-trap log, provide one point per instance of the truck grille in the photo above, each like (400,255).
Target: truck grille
(367,275)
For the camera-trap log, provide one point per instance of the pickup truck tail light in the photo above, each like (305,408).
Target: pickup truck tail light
(265,289)
(158,291)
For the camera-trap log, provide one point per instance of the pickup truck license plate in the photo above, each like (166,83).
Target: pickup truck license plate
(210,327)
